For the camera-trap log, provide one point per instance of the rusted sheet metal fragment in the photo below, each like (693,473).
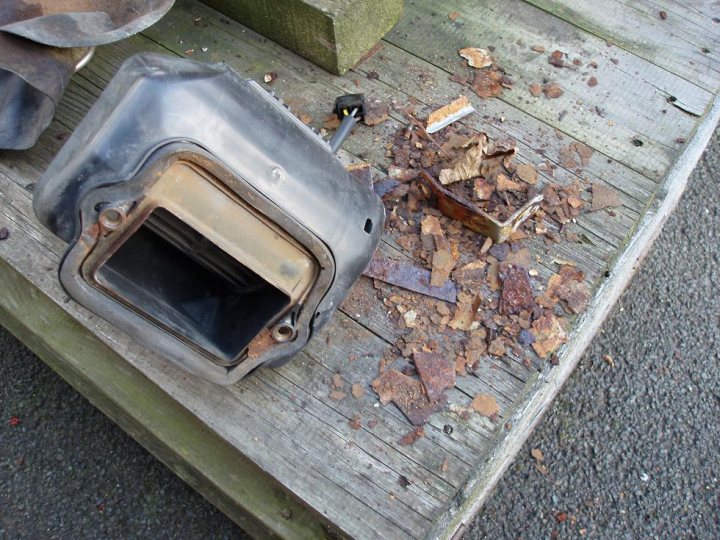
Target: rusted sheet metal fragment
(452,112)
(32,78)
(362,172)
(407,393)
(437,373)
(408,276)
(517,293)
(472,217)
(79,23)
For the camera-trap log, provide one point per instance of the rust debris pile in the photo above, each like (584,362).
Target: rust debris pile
(460,301)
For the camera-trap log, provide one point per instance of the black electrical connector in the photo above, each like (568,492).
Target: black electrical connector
(350,109)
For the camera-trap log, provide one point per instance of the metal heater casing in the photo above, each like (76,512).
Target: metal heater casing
(165,126)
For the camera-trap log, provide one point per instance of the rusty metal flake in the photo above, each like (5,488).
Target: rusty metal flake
(79,23)
(408,276)
(437,373)
(517,293)
(472,217)
(407,393)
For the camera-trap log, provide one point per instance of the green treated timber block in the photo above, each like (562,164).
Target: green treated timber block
(334,34)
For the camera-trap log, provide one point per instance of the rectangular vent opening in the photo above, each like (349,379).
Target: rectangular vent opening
(177,278)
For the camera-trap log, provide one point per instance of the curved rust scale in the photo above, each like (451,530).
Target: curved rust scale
(79,23)
(471,216)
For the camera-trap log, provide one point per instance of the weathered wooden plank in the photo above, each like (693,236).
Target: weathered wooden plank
(635,28)
(260,419)
(283,421)
(334,34)
(537,399)
(503,25)
(685,18)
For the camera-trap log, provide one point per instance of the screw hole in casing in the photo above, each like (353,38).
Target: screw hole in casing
(368,226)
(283,332)
(111,218)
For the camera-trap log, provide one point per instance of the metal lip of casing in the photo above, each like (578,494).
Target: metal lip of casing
(159,108)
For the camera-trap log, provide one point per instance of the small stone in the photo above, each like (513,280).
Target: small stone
(526,338)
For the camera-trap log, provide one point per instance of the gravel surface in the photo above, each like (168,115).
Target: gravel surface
(631,451)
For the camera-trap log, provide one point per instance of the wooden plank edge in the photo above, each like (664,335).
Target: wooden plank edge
(453,523)
(252,499)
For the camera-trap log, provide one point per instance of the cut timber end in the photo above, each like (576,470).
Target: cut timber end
(333,34)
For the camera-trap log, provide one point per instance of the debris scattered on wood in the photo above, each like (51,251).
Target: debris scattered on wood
(453,15)
(505,305)
(477,58)
(575,155)
(407,393)
(355,422)
(270,77)
(446,115)
(604,197)
(557,58)
(486,405)
(376,113)
(569,287)
(549,335)
(552,91)
(489,83)
(538,48)
(536,89)
(592,81)
(357,391)
(663,15)
(412,436)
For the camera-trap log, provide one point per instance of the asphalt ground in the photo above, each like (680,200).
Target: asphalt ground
(630,451)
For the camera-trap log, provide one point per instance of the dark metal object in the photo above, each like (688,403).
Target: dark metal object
(472,217)
(79,23)
(205,219)
(33,77)
(410,277)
